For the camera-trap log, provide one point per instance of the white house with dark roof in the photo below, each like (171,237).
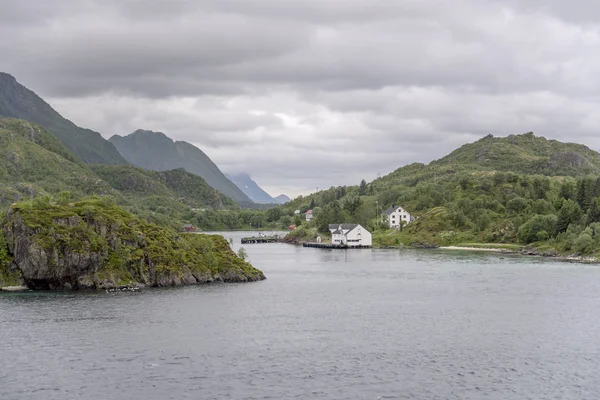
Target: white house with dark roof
(309,215)
(350,235)
(395,215)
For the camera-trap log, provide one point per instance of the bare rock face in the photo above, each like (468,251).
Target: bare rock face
(48,268)
(568,159)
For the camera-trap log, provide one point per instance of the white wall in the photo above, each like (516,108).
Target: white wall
(336,239)
(398,215)
(359,236)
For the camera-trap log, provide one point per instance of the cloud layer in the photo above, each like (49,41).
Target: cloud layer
(307,94)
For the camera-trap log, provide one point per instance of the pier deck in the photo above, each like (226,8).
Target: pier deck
(261,239)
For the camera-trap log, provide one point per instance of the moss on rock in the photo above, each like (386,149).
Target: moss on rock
(96,244)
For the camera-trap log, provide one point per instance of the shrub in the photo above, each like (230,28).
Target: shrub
(528,232)
(584,243)
(242,254)
(516,205)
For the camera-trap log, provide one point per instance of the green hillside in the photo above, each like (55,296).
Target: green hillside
(190,190)
(525,153)
(34,163)
(16,101)
(155,151)
(517,190)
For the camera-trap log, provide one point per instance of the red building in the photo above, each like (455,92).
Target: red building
(189,228)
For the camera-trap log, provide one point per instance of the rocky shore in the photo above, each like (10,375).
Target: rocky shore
(93,245)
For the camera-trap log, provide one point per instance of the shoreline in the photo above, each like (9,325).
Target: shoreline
(530,252)
(486,249)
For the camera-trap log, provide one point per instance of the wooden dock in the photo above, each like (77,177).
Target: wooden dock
(260,239)
(332,246)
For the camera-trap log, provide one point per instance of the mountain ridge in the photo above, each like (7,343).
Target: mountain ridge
(158,152)
(17,101)
(282,198)
(253,190)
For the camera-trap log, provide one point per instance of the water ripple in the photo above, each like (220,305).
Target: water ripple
(325,325)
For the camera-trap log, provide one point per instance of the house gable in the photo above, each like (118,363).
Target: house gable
(397,215)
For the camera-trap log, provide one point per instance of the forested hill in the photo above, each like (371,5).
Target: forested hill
(34,163)
(16,101)
(157,152)
(525,154)
(519,189)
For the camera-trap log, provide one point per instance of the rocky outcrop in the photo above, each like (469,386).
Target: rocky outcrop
(568,159)
(92,245)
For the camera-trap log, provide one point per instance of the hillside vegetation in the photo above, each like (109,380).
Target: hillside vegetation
(16,101)
(34,163)
(519,190)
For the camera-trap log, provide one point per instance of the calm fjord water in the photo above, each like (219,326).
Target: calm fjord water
(325,325)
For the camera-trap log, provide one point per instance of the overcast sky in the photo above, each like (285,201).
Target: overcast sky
(303,94)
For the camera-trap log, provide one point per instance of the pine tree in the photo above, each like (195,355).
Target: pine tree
(593,213)
(567,190)
(569,213)
(362,189)
(597,187)
(585,193)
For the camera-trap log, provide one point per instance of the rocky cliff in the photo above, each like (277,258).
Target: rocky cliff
(94,244)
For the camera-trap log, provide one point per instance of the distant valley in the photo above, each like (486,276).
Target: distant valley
(255,192)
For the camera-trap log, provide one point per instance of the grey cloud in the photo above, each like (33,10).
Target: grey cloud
(573,12)
(204,47)
(300,87)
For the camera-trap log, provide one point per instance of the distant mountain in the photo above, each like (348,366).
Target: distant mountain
(157,152)
(255,192)
(282,199)
(16,101)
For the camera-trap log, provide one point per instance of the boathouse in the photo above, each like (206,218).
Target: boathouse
(350,235)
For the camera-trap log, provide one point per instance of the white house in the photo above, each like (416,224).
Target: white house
(309,215)
(350,235)
(395,215)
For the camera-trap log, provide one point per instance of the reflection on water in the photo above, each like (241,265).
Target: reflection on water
(327,324)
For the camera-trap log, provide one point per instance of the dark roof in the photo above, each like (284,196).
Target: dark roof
(342,226)
(392,209)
